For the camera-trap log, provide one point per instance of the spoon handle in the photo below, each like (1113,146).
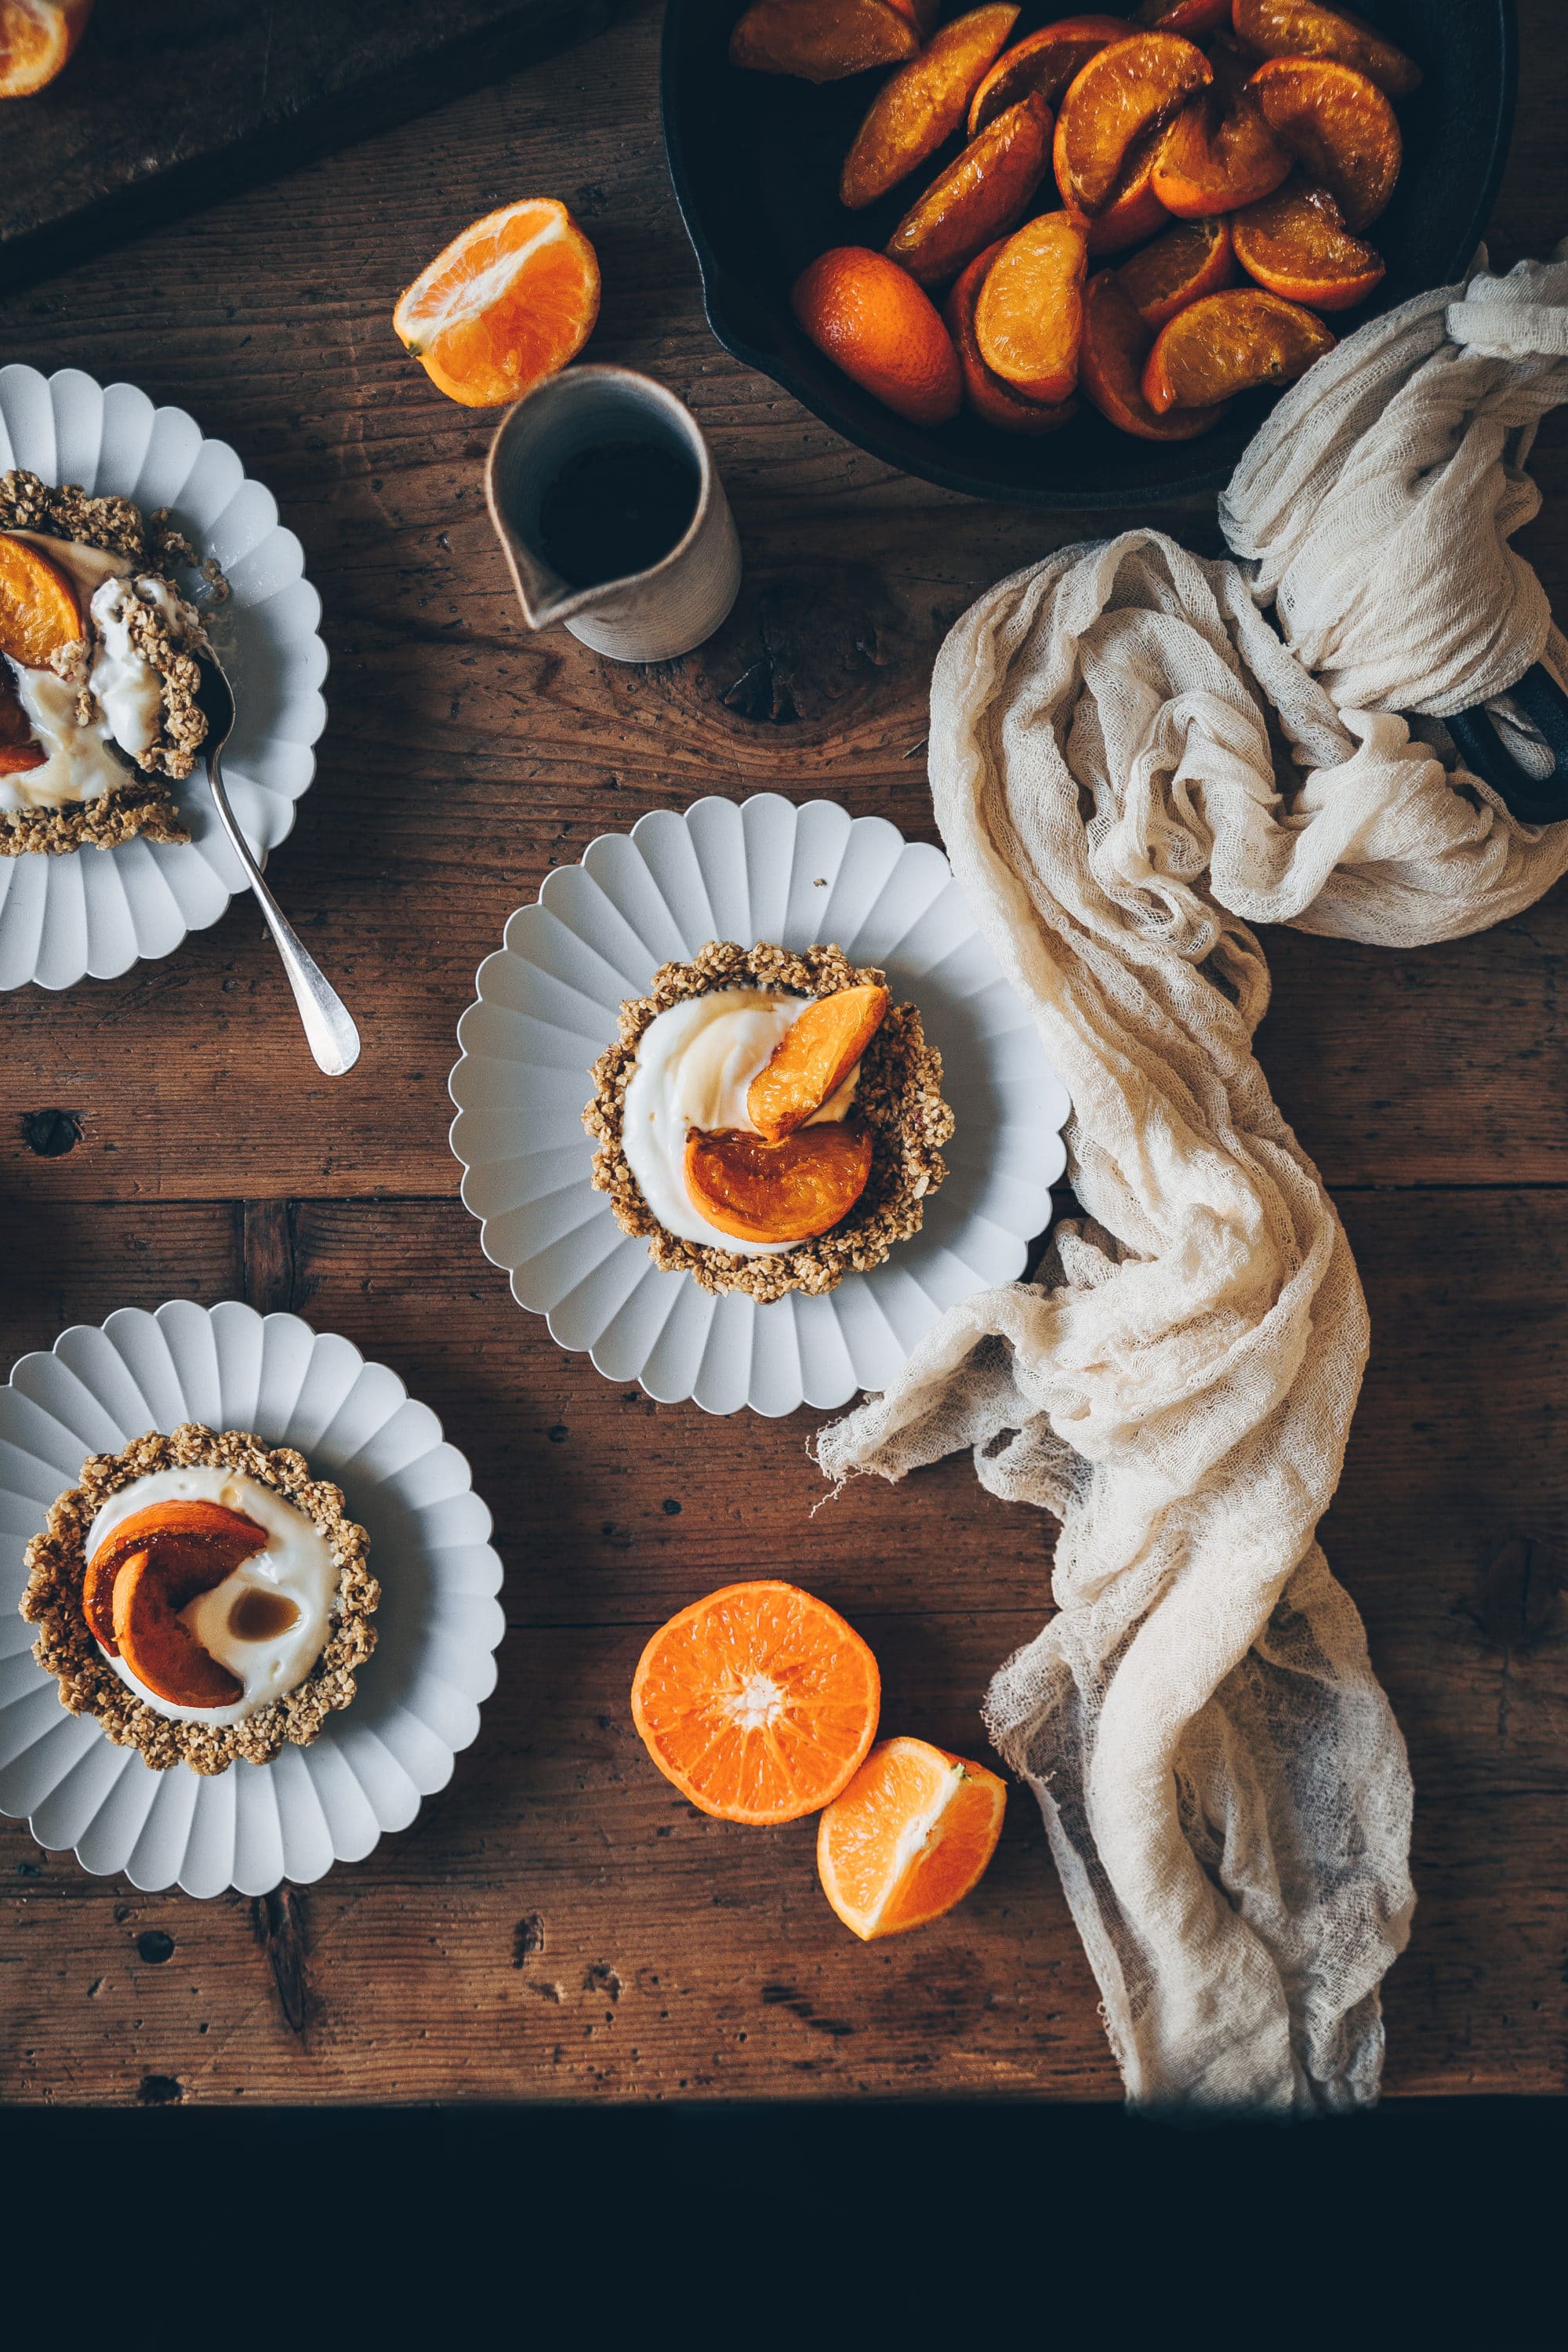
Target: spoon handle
(330,1030)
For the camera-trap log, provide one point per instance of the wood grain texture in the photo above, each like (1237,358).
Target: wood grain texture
(557,1923)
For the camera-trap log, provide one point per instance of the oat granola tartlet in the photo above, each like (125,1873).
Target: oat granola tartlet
(98,668)
(893,1100)
(129,1533)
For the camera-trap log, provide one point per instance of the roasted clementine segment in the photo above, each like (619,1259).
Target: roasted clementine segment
(823,40)
(1126,89)
(918,108)
(994,401)
(872,321)
(1134,211)
(18,750)
(786,1191)
(1231,343)
(195,1544)
(759,1702)
(1189,261)
(1029,320)
(1304,28)
(910,1837)
(1195,19)
(37,37)
(1042,65)
(39,615)
(163,1654)
(1116,344)
(1296,243)
(1217,154)
(978,198)
(1340,128)
(813,1059)
(508,303)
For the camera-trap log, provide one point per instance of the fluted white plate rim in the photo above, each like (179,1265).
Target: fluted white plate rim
(94,913)
(394,1756)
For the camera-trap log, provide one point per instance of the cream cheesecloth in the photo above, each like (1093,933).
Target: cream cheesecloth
(1131,765)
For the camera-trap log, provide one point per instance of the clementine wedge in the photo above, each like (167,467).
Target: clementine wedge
(162,1653)
(923,106)
(1133,211)
(758,1702)
(978,198)
(1296,243)
(1029,320)
(786,1191)
(186,1539)
(1340,128)
(1127,88)
(1305,28)
(1217,154)
(994,401)
(18,750)
(910,1837)
(823,40)
(1228,343)
(872,321)
(813,1059)
(1195,19)
(39,615)
(1116,345)
(508,303)
(37,37)
(1190,260)
(1042,65)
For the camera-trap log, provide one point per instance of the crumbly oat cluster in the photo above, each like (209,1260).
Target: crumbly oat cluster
(57,1561)
(150,544)
(898,1095)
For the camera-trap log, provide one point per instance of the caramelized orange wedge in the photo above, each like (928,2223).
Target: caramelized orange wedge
(823,40)
(994,401)
(1133,211)
(1029,320)
(1042,65)
(1217,154)
(164,1656)
(37,37)
(1296,243)
(1340,128)
(785,1191)
(1196,19)
(813,1059)
(978,198)
(1231,343)
(195,1544)
(1191,261)
(1116,345)
(1125,91)
(923,106)
(39,615)
(1305,28)
(18,750)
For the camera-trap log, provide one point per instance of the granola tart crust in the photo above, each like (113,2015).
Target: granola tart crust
(900,1096)
(88,1683)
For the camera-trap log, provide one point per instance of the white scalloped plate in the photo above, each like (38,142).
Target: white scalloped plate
(548,1002)
(437,1625)
(95,912)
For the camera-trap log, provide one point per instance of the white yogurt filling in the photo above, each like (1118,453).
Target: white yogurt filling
(694,1064)
(296,1563)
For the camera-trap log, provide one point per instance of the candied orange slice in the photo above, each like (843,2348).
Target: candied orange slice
(1296,243)
(910,1837)
(1191,261)
(39,615)
(1042,65)
(759,1702)
(822,40)
(1116,344)
(1305,28)
(994,401)
(1217,154)
(813,1059)
(37,37)
(507,303)
(872,321)
(1340,128)
(1029,320)
(164,1656)
(1231,343)
(1126,89)
(786,1191)
(195,1544)
(978,198)
(1195,19)
(913,113)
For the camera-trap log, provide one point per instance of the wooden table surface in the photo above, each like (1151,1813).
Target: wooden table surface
(557,1923)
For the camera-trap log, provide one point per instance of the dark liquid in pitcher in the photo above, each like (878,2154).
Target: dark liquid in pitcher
(616,509)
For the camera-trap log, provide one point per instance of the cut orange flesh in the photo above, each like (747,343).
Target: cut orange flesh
(1134,211)
(1116,345)
(1296,243)
(163,1654)
(37,37)
(758,1703)
(1217,154)
(1029,320)
(39,615)
(1189,261)
(1126,89)
(1340,128)
(823,40)
(508,303)
(992,401)
(1195,19)
(978,198)
(1228,343)
(1042,65)
(1304,28)
(872,321)
(814,1058)
(194,1544)
(910,1837)
(923,106)
(785,1192)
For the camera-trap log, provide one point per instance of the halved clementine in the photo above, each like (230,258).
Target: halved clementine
(1042,65)
(910,1837)
(1340,128)
(1191,261)
(978,198)
(195,1544)
(994,401)
(923,106)
(823,40)
(758,1702)
(39,615)
(1296,243)
(786,1191)
(1116,345)
(164,1656)
(1228,343)
(1305,28)
(507,303)
(1029,320)
(813,1059)
(1126,89)
(872,321)
(37,37)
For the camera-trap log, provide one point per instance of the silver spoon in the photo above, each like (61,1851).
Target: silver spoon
(330,1030)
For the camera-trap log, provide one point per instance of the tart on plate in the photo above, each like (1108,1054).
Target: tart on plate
(98,668)
(204,1596)
(771,1121)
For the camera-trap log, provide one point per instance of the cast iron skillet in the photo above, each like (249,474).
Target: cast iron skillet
(755,160)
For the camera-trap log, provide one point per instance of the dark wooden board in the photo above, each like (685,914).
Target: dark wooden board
(166,107)
(556,1924)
